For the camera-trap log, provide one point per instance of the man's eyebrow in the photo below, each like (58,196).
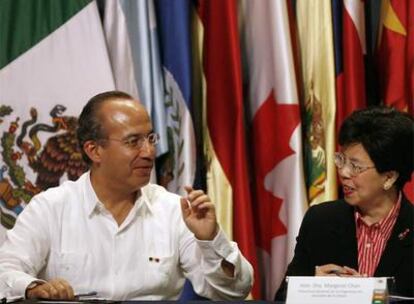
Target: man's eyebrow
(138,135)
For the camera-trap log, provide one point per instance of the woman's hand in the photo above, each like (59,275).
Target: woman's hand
(335,270)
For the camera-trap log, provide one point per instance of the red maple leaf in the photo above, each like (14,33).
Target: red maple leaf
(273,126)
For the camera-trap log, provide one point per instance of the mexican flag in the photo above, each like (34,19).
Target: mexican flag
(53,58)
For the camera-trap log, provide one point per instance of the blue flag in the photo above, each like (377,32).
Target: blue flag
(178,168)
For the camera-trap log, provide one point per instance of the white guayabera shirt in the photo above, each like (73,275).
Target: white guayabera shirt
(66,232)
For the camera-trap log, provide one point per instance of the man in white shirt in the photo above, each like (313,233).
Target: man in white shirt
(113,232)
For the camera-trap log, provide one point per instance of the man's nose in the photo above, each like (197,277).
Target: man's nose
(147,150)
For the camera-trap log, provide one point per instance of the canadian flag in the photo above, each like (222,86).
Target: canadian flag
(280,197)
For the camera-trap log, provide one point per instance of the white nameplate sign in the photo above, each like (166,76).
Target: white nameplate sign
(338,290)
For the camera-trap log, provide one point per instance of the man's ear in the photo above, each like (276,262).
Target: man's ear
(91,149)
(391,178)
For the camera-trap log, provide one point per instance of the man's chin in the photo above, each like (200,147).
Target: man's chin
(142,176)
(142,180)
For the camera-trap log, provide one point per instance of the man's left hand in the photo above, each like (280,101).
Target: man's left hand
(199,214)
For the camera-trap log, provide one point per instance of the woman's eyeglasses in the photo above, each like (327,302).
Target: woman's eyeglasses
(341,161)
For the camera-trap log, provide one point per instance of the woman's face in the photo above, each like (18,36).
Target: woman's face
(362,185)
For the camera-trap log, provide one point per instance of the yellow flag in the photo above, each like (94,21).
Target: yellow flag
(315,33)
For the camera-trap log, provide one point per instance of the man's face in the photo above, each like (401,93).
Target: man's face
(127,166)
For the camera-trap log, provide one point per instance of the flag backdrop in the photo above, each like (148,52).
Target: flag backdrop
(349,30)
(280,196)
(396,59)
(314,20)
(230,86)
(227,177)
(55,60)
(131,32)
(396,53)
(178,167)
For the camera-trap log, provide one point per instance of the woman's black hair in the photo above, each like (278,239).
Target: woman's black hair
(387,135)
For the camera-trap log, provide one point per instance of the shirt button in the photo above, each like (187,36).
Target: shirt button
(368,245)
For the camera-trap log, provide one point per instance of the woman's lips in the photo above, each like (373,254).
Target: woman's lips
(347,190)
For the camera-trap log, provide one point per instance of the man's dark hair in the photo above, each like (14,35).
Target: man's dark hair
(388,137)
(89,124)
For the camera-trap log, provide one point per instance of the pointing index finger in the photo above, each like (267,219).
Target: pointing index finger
(188,189)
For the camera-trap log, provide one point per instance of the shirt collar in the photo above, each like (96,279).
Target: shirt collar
(146,198)
(382,224)
(93,203)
